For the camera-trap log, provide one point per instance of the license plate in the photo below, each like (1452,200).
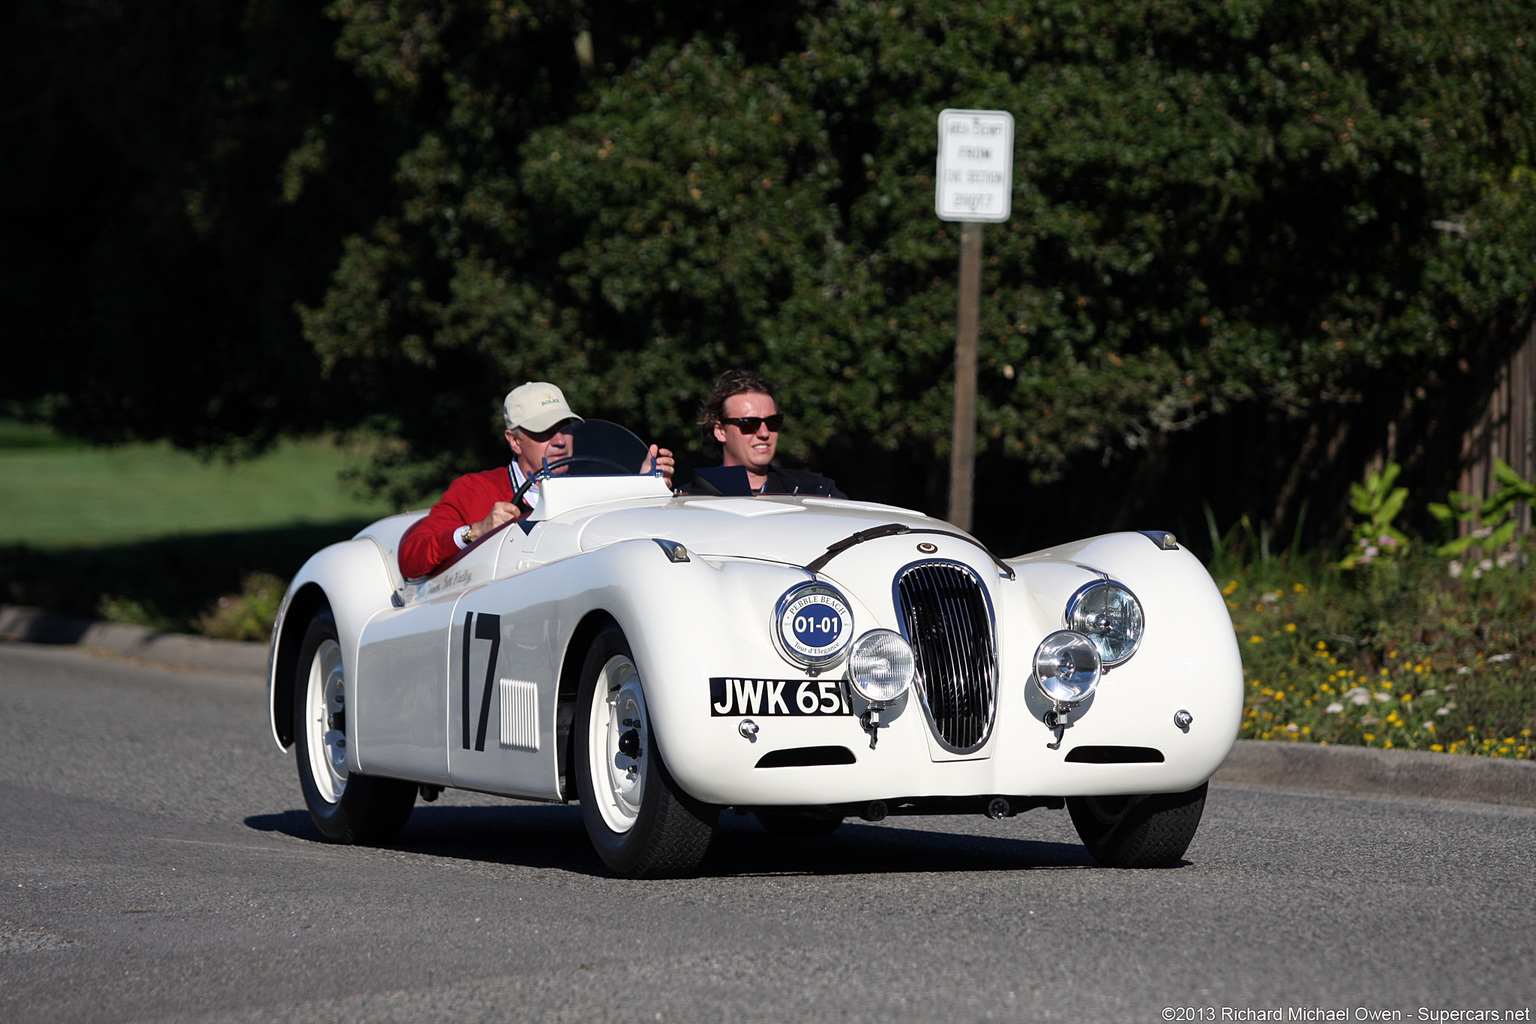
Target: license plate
(735,696)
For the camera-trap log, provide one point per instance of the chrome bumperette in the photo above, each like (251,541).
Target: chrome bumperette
(946,615)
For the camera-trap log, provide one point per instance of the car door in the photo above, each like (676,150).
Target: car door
(502,684)
(411,662)
(502,676)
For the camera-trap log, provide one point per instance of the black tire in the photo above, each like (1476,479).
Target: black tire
(1150,831)
(640,821)
(780,823)
(346,807)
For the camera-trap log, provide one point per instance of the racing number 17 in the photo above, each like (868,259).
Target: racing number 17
(478,627)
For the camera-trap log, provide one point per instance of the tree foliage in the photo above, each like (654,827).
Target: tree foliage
(1219,206)
(152,158)
(1216,204)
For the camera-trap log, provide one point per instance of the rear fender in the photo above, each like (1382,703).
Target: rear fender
(354,578)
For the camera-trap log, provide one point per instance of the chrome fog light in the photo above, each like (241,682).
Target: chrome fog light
(1108,614)
(881,667)
(1067,667)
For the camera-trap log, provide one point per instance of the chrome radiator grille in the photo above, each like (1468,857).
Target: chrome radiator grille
(947,619)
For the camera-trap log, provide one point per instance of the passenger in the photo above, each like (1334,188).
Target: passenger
(536,416)
(742,417)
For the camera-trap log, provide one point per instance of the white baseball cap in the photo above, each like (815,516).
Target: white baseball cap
(536,406)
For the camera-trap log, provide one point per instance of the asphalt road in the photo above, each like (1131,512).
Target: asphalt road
(156,864)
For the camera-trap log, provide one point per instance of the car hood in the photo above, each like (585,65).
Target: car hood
(775,528)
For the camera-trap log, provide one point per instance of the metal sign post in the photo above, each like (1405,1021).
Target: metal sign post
(974,187)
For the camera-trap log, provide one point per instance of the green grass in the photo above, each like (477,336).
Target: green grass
(54,497)
(15,434)
(149,535)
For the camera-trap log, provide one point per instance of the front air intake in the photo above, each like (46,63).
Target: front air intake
(946,617)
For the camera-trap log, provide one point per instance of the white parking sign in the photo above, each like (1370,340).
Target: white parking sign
(975,179)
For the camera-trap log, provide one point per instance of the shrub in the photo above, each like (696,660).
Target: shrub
(247,615)
(1403,654)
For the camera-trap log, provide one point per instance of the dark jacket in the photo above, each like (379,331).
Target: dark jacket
(800,481)
(732,480)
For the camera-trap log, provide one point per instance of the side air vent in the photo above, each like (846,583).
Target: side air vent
(1115,755)
(806,757)
(947,618)
(519,714)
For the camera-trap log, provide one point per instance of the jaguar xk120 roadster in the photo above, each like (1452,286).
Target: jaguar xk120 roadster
(661,656)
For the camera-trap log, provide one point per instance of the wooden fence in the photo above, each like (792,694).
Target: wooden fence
(1506,426)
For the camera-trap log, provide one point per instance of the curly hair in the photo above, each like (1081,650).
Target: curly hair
(731,382)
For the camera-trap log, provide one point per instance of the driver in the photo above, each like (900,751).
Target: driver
(536,416)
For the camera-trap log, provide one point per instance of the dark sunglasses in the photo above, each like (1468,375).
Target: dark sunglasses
(749,424)
(545,436)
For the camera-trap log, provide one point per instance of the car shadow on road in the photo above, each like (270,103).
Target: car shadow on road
(742,847)
(553,836)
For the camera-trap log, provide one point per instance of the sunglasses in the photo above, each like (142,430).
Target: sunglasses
(749,424)
(545,436)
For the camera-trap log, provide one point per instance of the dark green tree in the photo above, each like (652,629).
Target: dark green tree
(1230,219)
(171,184)
(1218,207)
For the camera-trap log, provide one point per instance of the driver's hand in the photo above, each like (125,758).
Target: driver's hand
(501,512)
(663,461)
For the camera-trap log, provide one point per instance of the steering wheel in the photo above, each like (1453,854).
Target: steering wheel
(547,470)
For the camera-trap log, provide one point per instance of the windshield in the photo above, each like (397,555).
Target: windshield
(599,448)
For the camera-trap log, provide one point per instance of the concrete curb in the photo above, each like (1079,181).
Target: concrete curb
(1362,770)
(1368,771)
(38,626)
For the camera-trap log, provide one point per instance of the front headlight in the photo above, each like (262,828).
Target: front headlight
(1110,615)
(812,625)
(881,667)
(1067,667)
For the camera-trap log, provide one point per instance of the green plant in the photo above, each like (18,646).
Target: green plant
(1243,541)
(1376,538)
(1492,523)
(247,615)
(132,612)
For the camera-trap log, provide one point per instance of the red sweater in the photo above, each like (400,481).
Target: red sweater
(430,541)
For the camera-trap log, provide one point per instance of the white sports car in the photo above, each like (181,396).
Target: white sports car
(660,657)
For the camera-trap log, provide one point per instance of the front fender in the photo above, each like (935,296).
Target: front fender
(1189,657)
(686,620)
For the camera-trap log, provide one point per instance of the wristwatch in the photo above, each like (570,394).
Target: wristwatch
(464,535)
